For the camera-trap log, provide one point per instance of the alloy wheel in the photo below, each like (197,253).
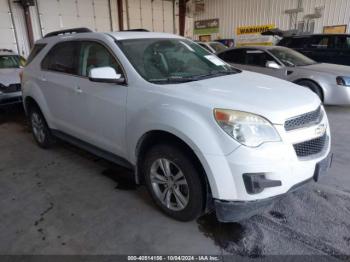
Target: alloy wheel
(169,184)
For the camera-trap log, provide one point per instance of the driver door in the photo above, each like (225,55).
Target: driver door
(256,60)
(100,108)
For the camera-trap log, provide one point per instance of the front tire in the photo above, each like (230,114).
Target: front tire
(40,130)
(174,182)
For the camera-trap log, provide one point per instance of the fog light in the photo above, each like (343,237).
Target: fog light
(256,183)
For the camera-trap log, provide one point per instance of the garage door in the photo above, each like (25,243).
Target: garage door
(7,32)
(154,15)
(61,14)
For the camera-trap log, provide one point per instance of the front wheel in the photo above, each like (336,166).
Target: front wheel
(174,182)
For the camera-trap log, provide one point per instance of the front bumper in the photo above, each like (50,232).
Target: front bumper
(10,98)
(234,211)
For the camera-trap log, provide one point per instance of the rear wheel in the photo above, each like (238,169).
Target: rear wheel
(40,129)
(174,182)
(313,87)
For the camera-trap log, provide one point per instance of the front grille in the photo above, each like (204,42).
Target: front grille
(11,88)
(311,147)
(305,120)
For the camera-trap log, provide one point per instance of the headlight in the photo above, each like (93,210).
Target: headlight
(248,129)
(343,80)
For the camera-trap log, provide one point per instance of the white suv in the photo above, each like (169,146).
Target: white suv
(200,134)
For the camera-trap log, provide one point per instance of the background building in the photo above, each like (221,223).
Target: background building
(306,15)
(23,22)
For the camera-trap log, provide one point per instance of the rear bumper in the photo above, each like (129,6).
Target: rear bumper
(10,98)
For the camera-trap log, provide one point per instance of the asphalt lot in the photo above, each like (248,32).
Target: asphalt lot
(66,201)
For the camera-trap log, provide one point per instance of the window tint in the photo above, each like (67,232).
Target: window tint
(95,55)
(63,58)
(257,58)
(35,51)
(298,42)
(233,56)
(342,42)
(320,42)
(9,61)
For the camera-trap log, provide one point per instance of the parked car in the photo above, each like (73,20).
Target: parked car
(200,134)
(213,47)
(330,82)
(325,48)
(10,86)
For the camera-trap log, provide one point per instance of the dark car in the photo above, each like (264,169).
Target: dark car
(325,48)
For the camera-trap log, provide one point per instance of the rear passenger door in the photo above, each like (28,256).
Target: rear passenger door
(58,80)
(99,109)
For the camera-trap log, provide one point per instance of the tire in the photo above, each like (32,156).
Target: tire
(174,182)
(313,87)
(40,130)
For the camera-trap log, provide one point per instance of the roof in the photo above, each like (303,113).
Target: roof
(141,35)
(310,35)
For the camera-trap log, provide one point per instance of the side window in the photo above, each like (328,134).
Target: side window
(297,42)
(257,58)
(342,42)
(35,51)
(93,55)
(233,56)
(63,57)
(320,42)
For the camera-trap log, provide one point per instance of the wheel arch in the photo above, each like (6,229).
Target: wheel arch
(154,137)
(314,82)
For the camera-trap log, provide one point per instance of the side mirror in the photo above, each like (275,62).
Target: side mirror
(272,65)
(105,75)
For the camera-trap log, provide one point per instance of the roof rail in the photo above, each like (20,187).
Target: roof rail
(135,30)
(69,31)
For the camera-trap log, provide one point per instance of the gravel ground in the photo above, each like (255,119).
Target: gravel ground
(66,201)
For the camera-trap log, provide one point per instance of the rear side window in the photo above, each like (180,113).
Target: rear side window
(35,51)
(63,57)
(233,56)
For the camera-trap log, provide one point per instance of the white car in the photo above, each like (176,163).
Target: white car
(200,134)
(10,68)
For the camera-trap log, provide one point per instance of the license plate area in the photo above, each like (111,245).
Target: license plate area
(323,167)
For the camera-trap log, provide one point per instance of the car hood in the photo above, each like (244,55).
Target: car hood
(338,70)
(272,98)
(10,76)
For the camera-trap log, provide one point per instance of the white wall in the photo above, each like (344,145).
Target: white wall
(98,15)
(235,13)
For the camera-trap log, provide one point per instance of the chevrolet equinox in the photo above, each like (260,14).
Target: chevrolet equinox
(200,134)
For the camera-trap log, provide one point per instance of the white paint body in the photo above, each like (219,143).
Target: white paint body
(115,117)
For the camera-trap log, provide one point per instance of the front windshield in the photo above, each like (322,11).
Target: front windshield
(173,60)
(290,57)
(9,61)
(218,47)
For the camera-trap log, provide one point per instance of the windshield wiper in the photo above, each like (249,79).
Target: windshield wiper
(186,79)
